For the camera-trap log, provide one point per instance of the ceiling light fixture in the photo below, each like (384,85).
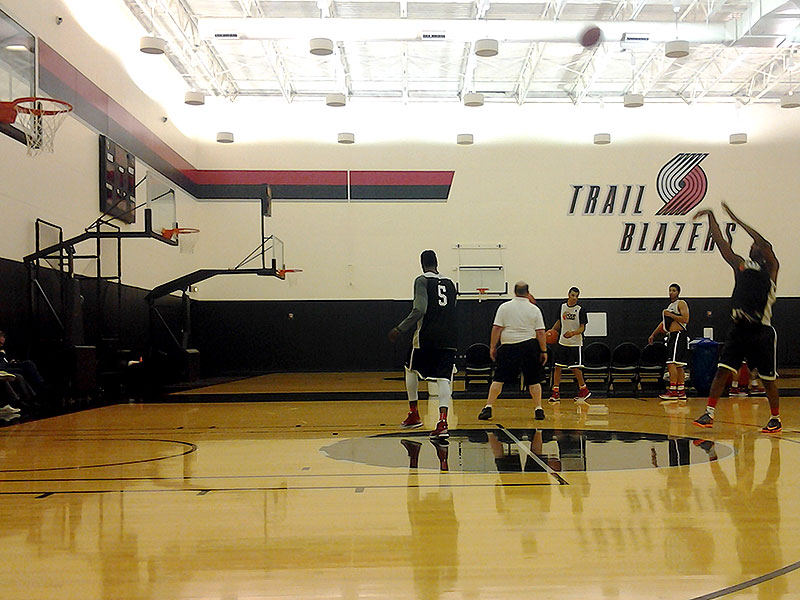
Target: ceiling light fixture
(193,98)
(789,100)
(151,44)
(336,100)
(321,47)
(601,139)
(464,139)
(738,138)
(486,47)
(473,99)
(676,49)
(225,137)
(633,100)
(346,138)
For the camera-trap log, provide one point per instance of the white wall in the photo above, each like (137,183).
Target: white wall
(509,189)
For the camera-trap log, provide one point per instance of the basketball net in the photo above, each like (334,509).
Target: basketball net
(39,119)
(482,293)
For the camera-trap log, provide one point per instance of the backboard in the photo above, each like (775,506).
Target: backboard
(160,197)
(17,60)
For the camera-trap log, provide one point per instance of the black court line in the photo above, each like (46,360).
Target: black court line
(556,476)
(190,448)
(431,472)
(749,583)
(312,488)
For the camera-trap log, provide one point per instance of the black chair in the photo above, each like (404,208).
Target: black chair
(652,363)
(478,364)
(596,363)
(624,366)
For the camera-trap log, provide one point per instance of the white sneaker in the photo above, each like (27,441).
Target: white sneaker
(9,409)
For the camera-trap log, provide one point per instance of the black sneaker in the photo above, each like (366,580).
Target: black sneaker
(538,414)
(708,447)
(704,420)
(773,426)
(486,414)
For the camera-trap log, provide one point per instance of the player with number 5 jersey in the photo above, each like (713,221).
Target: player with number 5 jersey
(435,340)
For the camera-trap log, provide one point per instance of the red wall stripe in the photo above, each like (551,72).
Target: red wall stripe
(401,177)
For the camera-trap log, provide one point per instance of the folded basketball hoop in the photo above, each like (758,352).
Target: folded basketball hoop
(187,238)
(38,118)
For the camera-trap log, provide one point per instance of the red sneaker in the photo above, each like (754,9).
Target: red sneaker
(440,432)
(682,395)
(413,420)
(555,397)
(583,394)
(670,396)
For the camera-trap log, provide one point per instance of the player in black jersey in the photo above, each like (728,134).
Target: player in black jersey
(751,335)
(433,351)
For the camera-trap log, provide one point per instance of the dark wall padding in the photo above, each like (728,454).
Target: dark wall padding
(350,335)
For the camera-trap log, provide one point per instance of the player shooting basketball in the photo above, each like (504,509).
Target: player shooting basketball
(751,335)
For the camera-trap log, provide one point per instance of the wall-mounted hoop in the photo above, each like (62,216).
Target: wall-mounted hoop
(186,236)
(39,119)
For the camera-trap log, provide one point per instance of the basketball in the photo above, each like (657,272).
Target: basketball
(552,336)
(590,36)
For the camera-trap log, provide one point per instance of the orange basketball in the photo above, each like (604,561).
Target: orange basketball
(552,336)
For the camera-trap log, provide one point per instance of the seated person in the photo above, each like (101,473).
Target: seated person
(26,368)
(8,396)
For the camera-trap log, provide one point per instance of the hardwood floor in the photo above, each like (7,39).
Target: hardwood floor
(249,500)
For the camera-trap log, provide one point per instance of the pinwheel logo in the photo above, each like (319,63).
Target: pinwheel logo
(682,184)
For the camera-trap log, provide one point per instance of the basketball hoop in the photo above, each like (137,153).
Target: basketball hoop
(482,293)
(38,118)
(187,238)
(282,272)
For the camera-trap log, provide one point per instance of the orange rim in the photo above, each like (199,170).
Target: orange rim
(61,106)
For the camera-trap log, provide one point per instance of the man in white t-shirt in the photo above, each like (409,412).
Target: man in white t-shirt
(519,329)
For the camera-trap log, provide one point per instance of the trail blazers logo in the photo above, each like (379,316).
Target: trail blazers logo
(682,184)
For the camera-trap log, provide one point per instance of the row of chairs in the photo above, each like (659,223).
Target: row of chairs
(626,363)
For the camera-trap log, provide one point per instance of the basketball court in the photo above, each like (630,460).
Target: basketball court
(317,499)
(208,283)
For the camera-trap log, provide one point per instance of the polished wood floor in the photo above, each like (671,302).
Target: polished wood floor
(237,501)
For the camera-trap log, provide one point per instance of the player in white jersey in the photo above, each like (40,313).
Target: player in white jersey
(571,324)
(519,329)
(674,320)
(751,336)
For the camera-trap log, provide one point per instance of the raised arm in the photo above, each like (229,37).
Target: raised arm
(764,247)
(733,259)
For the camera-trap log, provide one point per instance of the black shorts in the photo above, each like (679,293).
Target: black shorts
(522,357)
(753,342)
(432,363)
(569,356)
(678,348)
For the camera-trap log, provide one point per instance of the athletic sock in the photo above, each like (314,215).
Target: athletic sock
(710,410)
(412,388)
